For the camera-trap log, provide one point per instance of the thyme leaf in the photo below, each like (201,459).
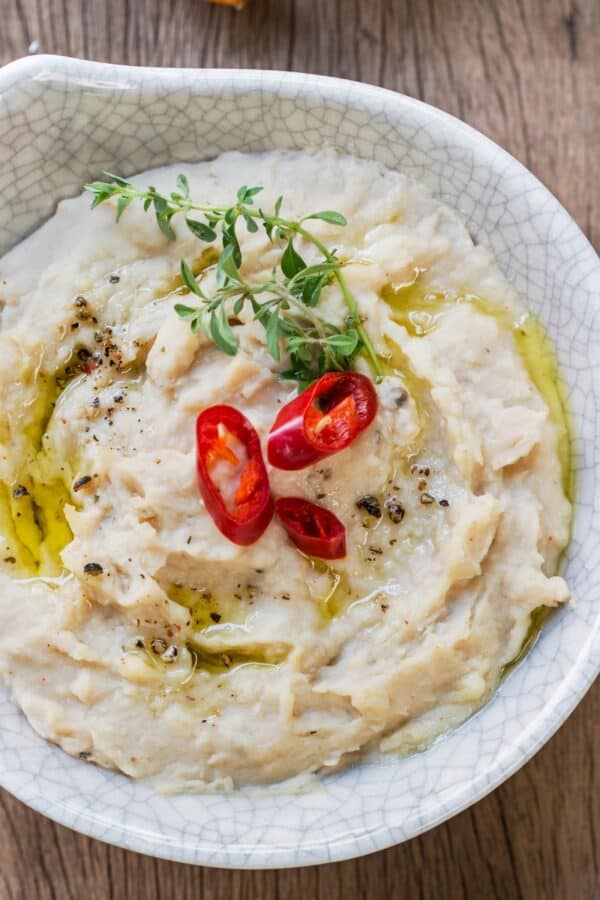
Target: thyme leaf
(286,303)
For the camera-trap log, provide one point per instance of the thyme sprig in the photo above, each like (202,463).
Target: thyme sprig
(284,303)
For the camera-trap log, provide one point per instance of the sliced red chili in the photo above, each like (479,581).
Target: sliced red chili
(229,454)
(313,529)
(324,419)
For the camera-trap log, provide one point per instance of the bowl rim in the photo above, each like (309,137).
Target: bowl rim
(588,660)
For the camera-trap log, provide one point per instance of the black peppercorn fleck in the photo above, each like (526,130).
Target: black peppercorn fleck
(400,398)
(158,646)
(93,569)
(81,482)
(371,505)
(394,510)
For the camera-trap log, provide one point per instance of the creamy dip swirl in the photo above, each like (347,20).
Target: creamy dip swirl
(131,631)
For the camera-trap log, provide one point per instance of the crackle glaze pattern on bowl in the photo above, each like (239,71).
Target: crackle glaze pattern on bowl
(63,122)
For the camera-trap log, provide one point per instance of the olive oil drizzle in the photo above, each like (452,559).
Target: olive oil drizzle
(538,618)
(174,286)
(35,530)
(419,310)
(338,596)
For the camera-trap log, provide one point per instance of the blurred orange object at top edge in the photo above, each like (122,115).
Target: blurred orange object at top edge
(237,3)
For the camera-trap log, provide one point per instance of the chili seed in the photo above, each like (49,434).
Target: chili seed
(426,498)
(158,646)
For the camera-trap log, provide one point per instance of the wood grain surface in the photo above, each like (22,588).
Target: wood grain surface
(526,73)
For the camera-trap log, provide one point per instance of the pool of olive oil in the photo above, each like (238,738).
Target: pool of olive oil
(212,610)
(219,662)
(207,609)
(33,525)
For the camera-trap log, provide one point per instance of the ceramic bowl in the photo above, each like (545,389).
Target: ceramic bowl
(62,123)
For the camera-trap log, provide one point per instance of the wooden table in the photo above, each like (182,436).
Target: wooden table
(527,73)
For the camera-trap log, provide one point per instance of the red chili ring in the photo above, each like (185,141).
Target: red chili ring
(253,509)
(323,420)
(312,528)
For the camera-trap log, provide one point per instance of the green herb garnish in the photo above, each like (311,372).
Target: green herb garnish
(284,303)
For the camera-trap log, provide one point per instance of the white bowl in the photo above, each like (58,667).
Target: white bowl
(64,122)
